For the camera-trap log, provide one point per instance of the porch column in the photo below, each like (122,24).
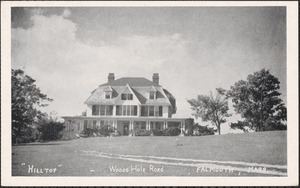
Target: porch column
(148,125)
(181,129)
(114,124)
(131,125)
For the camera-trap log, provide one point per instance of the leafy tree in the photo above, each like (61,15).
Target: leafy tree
(257,100)
(49,129)
(26,97)
(209,108)
(189,126)
(204,130)
(242,125)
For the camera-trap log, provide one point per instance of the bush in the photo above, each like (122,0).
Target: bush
(89,131)
(189,126)
(143,132)
(157,132)
(50,130)
(203,130)
(172,131)
(105,130)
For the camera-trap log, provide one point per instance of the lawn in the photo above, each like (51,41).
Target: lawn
(154,156)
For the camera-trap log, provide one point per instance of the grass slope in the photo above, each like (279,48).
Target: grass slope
(66,156)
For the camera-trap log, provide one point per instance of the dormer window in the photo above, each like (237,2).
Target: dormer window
(108,95)
(108,92)
(126,96)
(152,95)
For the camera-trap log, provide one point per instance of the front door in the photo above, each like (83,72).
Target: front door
(126,129)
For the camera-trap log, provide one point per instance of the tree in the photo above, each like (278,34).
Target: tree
(26,97)
(50,128)
(189,126)
(209,108)
(257,100)
(204,130)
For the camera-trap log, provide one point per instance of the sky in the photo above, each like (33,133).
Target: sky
(69,51)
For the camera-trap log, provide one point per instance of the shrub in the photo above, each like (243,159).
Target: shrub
(89,131)
(189,126)
(203,130)
(172,131)
(105,130)
(143,132)
(157,132)
(50,130)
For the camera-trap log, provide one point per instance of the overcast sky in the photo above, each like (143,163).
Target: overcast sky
(70,51)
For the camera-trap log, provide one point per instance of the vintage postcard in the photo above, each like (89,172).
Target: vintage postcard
(149,93)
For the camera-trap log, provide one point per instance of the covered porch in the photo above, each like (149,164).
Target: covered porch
(124,125)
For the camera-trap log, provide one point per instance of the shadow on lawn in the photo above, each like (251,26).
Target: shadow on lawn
(36,144)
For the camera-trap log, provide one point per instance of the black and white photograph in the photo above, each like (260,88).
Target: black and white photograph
(149,93)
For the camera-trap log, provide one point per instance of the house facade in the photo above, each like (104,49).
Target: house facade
(128,103)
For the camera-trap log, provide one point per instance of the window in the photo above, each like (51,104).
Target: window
(95,110)
(130,96)
(85,124)
(106,110)
(126,96)
(152,95)
(160,111)
(144,111)
(109,110)
(119,110)
(102,110)
(133,110)
(151,111)
(156,111)
(107,95)
(126,110)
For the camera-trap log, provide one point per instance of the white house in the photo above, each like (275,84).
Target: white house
(128,103)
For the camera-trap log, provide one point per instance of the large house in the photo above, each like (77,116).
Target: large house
(126,104)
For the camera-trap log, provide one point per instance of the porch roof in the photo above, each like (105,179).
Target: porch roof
(123,118)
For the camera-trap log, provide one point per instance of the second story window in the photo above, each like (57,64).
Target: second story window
(126,110)
(126,96)
(106,110)
(95,110)
(152,111)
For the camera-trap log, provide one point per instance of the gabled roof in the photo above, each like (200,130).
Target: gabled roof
(141,93)
(140,87)
(128,90)
(132,81)
(107,88)
(152,89)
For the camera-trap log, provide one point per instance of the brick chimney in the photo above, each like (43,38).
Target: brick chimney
(111,77)
(155,78)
